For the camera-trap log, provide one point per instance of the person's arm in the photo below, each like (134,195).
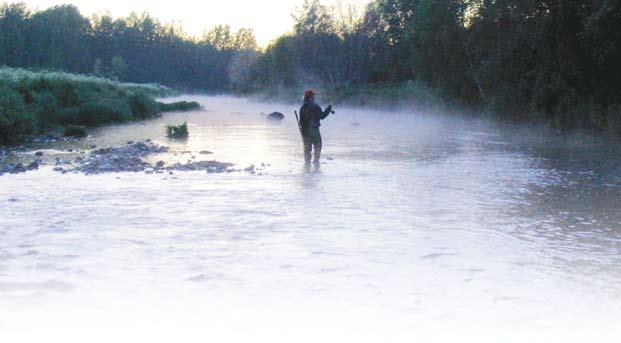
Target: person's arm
(323,115)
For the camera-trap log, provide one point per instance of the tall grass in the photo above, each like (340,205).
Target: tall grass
(39,102)
(177,131)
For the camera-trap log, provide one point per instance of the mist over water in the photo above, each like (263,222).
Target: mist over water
(417,225)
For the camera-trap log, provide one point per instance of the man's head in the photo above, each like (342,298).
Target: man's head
(309,95)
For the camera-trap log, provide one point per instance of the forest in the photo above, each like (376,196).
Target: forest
(552,61)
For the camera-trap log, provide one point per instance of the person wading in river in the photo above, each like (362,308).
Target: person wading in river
(311,116)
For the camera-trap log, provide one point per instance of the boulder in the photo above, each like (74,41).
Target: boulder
(276,116)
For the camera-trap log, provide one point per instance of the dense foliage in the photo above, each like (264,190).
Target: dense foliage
(537,60)
(137,48)
(548,60)
(36,103)
(177,131)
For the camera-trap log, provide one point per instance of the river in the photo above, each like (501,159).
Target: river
(416,225)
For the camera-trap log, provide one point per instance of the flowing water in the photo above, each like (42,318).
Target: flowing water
(415,226)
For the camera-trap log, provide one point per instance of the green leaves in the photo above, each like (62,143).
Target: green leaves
(177,131)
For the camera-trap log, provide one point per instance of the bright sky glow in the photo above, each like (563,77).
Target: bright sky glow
(268,18)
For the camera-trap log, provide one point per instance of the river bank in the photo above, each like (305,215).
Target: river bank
(62,104)
(419,97)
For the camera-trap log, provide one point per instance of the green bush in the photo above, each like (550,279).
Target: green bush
(104,112)
(180,106)
(15,119)
(34,102)
(177,131)
(47,107)
(143,106)
(75,131)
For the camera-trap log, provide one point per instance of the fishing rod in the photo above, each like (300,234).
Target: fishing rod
(298,120)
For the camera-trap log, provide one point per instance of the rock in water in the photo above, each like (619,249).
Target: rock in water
(277,116)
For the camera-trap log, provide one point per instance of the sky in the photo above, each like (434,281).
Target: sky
(268,18)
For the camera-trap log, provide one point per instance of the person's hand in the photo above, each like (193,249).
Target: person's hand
(329,109)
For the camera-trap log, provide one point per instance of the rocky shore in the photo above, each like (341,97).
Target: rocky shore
(129,158)
(19,168)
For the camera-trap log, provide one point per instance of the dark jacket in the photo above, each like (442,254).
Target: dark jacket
(311,116)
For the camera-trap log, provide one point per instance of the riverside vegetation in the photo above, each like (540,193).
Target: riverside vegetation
(546,61)
(177,131)
(33,103)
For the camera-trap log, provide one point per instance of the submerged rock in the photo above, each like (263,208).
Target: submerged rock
(123,159)
(19,168)
(135,149)
(276,116)
(129,159)
(209,166)
(33,166)
(48,138)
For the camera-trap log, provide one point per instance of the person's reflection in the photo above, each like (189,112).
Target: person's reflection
(311,175)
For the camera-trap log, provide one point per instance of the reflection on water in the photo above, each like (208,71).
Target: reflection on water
(419,218)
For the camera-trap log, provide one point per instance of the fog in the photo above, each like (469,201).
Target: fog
(416,225)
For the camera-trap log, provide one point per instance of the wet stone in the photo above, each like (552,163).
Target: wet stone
(128,158)
(276,116)
(209,166)
(33,166)
(18,168)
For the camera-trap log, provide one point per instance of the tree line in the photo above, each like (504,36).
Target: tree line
(552,60)
(137,48)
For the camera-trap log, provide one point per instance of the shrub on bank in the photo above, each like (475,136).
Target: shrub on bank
(142,106)
(15,120)
(35,102)
(180,106)
(177,131)
(75,131)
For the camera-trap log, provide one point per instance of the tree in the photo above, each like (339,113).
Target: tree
(439,56)
(220,37)
(13,30)
(118,67)
(58,39)
(313,18)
